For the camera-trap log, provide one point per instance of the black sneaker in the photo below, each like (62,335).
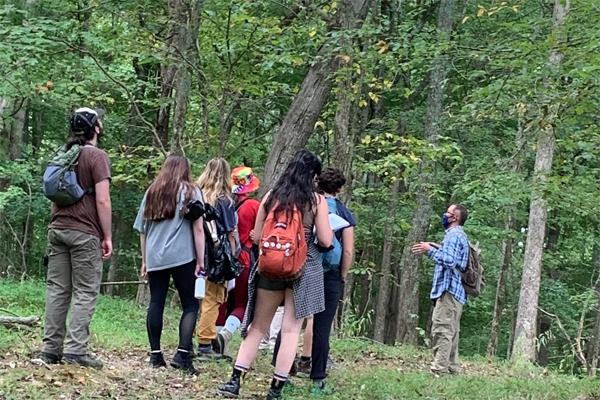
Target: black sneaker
(207,353)
(83,360)
(48,358)
(157,360)
(183,361)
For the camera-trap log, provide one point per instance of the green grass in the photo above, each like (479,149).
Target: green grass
(367,370)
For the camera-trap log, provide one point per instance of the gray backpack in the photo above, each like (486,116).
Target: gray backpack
(60,182)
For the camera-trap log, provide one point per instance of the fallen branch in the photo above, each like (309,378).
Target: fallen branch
(9,320)
(576,349)
(123,283)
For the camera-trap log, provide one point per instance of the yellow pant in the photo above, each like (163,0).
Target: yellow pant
(215,295)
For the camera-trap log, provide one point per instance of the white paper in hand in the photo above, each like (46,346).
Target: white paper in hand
(337,222)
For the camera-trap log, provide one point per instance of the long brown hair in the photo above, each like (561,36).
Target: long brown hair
(215,181)
(163,193)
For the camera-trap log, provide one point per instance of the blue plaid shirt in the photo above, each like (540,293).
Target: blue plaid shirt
(450,259)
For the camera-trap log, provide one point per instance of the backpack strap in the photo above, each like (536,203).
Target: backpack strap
(237,207)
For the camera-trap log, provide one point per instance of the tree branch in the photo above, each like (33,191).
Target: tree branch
(130,96)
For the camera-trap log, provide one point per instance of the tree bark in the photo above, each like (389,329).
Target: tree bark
(525,329)
(408,304)
(295,129)
(385,274)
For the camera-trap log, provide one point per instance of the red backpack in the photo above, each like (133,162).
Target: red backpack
(282,247)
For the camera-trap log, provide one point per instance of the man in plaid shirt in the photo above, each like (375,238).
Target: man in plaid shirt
(447,292)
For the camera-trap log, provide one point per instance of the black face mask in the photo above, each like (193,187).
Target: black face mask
(445,221)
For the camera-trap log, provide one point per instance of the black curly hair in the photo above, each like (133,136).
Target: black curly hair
(331,180)
(296,187)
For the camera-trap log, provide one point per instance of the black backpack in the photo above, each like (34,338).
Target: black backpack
(221,264)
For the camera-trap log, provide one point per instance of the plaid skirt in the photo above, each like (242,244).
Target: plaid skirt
(309,296)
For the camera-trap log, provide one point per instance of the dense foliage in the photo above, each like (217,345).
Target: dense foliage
(246,63)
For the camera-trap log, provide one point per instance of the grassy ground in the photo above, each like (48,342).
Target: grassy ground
(367,370)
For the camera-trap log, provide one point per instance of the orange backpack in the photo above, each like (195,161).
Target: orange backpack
(282,247)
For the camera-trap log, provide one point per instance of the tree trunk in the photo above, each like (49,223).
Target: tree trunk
(408,302)
(385,275)
(111,276)
(594,341)
(13,126)
(186,18)
(525,329)
(505,263)
(295,129)
(143,294)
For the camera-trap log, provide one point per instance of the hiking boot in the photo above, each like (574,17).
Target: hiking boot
(304,365)
(83,360)
(232,387)
(49,358)
(275,390)
(319,388)
(157,360)
(183,361)
(207,353)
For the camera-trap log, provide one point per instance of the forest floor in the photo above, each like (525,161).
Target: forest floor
(366,370)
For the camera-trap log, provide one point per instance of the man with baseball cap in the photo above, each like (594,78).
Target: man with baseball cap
(79,239)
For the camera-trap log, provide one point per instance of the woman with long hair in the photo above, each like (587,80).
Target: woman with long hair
(215,183)
(295,190)
(171,247)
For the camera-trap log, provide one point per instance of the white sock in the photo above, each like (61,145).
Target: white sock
(232,324)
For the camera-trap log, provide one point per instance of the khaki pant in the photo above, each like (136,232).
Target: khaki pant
(215,294)
(74,276)
(445,331)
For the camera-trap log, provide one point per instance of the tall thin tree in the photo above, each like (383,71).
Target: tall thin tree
(408,304)
(524,348)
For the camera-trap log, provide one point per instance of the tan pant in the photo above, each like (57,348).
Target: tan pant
(74,276)
(445,331)
(215,295)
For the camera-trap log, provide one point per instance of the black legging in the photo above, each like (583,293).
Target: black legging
(184,280)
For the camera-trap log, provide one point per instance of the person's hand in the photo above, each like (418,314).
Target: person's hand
(253,235)
(143,272)
(421,248)
(106,248)
(199,269)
